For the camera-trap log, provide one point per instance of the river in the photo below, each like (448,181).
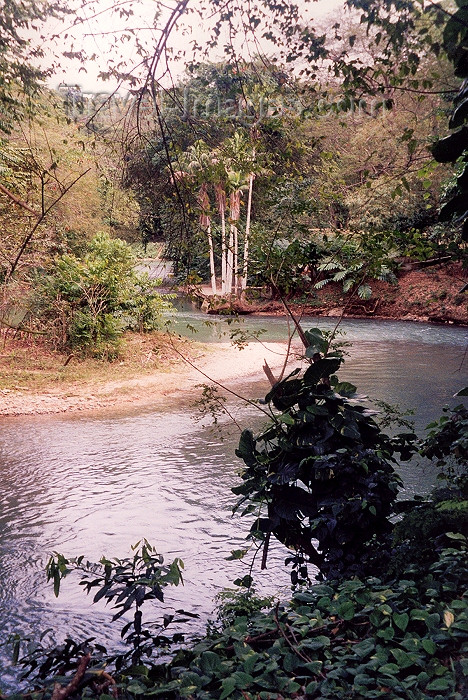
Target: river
(96,485)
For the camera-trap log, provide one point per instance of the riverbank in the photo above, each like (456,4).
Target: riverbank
(434,294)
(151,369)
(37,380)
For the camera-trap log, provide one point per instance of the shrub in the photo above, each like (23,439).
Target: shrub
(87,302)
(360,638)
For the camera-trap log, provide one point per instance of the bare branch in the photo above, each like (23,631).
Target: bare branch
(39,221)
(60,693)
(17,200)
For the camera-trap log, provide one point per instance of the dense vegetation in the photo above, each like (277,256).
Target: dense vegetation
(390,617)
(250,173)
(271,174)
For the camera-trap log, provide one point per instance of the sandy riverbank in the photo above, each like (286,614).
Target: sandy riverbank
(221,362)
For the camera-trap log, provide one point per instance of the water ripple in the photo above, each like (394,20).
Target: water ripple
(95,486)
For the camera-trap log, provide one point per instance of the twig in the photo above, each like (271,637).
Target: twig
(265,551)
(17,200)
(288,641)
(297,323)
(223,386)
(39,222)
(288,351)
(262,637)
(463,358)
(61,693)
(20,328)
(109,682)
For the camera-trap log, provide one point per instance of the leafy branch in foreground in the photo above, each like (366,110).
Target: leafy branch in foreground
(322,472)
(126,584)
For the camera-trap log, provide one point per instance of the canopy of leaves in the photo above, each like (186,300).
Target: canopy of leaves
(20,79)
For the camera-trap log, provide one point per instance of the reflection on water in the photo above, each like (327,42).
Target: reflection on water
(95,486)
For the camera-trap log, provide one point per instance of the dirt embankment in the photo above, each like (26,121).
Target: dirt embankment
(431,295)
(434,294)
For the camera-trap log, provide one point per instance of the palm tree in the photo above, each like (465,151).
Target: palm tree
(235,185)
(242,156)
(196,164)
(220,194)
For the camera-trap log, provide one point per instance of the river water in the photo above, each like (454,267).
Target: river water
(95,485)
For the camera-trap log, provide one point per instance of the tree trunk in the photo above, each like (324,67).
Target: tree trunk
(212,264)
(221,201)
(247,234)
(230,260)
(236,260)
(205,223)
(234,214)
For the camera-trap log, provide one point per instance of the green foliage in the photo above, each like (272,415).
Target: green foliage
(234,603)
(424,243)
(362,637)
(355,261)
(447,440)
(20,79)
(322,471)
(94,298)
(411,32)
(429,524)
(127,584)
(286,267)
(358,638)
(401,37)
(423,530)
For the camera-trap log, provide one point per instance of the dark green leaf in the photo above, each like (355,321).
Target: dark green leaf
(401,620)
(323,368)
(448,149)
(209,663)
(346,610)
(439,684)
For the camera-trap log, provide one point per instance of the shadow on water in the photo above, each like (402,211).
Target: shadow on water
(94,486)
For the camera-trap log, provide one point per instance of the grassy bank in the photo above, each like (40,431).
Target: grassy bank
(26,364)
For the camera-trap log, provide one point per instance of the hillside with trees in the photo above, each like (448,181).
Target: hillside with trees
(317,169)
(251,174)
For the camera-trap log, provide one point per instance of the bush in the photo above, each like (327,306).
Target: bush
(88,302)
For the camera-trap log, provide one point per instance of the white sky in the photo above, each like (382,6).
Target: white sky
(97,36)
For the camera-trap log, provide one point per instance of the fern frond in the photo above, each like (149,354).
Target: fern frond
(322,283)
(364,292)
(340,275)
